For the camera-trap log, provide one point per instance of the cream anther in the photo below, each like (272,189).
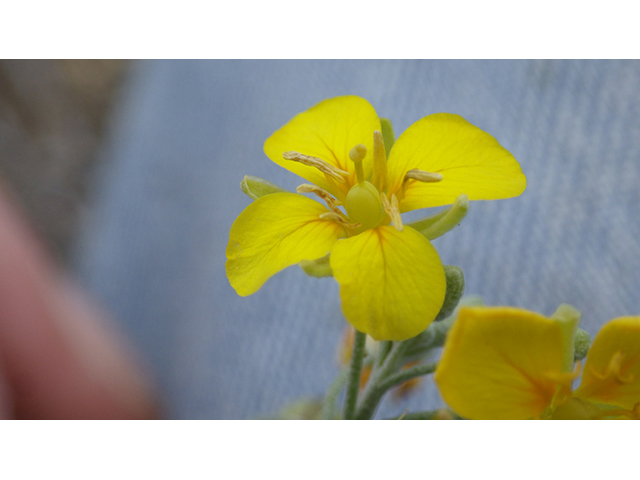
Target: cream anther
(422,176)
(614,370)
(332,203)
(336,217)
(392,209)
(324,167)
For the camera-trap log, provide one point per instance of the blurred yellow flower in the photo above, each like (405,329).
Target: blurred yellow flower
(392,281)
(507,363)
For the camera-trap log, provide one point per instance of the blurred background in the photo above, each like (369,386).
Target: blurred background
(130,172)
(53,115)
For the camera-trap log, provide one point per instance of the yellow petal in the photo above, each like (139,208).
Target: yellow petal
(612,370)
(500,363)
(328,131)
(273,232)
(470,161)
(392,283)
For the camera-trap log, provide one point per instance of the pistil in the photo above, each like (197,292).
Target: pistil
(356,155)
(363,203)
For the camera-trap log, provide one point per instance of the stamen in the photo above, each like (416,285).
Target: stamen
(613,370)
(392,210)
(422,176)
(336,217)
(356,155)
(379,178)
(324,167)
(332,203)
(564,381)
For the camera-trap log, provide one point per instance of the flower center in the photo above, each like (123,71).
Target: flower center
(363,203)
(364,206)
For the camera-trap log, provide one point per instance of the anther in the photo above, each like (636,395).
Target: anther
(332,203)
(325,167)
(422,176)
(336,217)
(392,209)
(379,178)
(613,370)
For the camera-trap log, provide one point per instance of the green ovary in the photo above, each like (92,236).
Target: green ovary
(364,206)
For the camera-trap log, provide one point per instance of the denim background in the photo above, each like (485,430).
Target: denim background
(186,132)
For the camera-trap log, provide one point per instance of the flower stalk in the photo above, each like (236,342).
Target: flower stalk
(355,371)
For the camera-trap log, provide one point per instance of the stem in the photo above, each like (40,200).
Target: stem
(381,384)
(408,374)
(391,363)
(329,406)
(383,350)
(354,375)
(394,358)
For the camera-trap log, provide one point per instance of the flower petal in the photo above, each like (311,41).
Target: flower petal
(328,131)
(612,370)
(470,160)
(392,283)
(500,363)
(273,232)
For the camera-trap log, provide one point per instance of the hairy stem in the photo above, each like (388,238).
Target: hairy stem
(353,386)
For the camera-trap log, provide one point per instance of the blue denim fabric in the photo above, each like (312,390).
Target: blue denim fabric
(185,133)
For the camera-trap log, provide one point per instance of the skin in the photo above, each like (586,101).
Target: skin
(59,358)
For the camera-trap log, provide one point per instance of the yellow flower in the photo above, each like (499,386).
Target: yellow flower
(507,363)
(392,281)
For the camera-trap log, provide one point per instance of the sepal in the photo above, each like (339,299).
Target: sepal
(437,225)
(435,335)
(387,134)
(256,187)
(455,289)
(318,268)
